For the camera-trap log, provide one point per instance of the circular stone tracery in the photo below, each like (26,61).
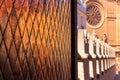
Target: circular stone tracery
(93,15)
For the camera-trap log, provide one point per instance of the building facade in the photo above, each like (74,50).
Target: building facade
(81,14)
(103,18)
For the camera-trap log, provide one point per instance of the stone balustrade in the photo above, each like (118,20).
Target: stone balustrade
(97,59)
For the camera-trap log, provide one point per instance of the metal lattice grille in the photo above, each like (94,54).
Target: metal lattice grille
(35,40)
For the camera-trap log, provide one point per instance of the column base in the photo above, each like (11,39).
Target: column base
(93,55)
(99,56)
(103,56)
(83,55)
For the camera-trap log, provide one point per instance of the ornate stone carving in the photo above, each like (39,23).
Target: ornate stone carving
(95,14)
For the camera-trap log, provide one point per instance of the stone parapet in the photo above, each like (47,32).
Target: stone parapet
(98,62)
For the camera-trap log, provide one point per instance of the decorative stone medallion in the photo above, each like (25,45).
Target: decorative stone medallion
(95,14)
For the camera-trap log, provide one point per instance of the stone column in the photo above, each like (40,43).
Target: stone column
(98,47)
(81,72)
(91,43)
(108,51)
(91,71)
(102,66)
(97,67)
(102,49)
(80,44)
(105,48)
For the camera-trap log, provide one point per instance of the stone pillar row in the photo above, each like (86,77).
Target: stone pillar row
(97,61)
(103,50)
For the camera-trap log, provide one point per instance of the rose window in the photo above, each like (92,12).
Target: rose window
(93,15)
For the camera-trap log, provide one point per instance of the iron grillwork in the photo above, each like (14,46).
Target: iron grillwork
(35,40)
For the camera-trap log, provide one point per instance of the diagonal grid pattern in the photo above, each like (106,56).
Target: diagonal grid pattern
(35,40)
